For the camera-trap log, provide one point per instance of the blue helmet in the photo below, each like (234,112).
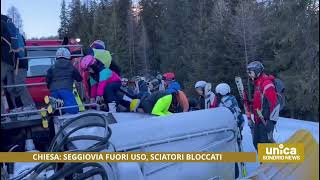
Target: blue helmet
(255,66)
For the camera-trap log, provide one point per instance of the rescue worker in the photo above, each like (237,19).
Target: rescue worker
(265,107)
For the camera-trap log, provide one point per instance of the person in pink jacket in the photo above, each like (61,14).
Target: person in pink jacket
(104,82)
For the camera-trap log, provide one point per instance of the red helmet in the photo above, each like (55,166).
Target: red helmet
(169,76)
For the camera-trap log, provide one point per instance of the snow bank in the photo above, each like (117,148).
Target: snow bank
(285,128)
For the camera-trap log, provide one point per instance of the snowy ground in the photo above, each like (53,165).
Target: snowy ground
(284,129)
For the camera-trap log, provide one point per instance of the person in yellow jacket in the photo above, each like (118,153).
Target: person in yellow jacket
(98,50)
(157,103)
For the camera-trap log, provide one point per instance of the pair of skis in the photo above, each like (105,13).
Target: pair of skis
(245,101)
(52,105)
(244,97)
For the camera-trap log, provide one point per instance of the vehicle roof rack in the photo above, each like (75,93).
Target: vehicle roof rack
(39,48)
(53,46)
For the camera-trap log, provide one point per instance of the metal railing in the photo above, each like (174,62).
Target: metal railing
(41,57)
(54,46)
(36,48)
(27,85)
(98,107)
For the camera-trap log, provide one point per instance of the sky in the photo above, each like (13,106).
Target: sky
(40,17)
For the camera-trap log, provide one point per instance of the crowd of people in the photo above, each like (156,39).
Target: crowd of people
(158,96)
(163,95)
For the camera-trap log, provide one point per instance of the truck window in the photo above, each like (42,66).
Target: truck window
(39,66)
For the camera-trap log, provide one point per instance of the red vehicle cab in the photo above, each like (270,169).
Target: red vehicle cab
(41,55)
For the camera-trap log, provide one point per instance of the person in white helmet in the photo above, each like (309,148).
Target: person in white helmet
(226,99)
(206,96)
(60,78)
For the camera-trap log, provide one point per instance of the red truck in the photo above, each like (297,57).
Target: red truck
(41,55)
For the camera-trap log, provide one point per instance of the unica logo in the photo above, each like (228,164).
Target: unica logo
(281,150)
(282,153)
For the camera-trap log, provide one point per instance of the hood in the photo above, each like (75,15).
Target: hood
(173,87)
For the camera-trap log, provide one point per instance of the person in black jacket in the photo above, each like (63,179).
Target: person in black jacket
(7,60)
(60,78)
(6,56)
(18,77)
(14,70)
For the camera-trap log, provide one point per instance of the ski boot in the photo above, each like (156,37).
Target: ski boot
(53,104)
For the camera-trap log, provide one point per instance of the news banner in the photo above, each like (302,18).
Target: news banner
(128,157)
(279,153)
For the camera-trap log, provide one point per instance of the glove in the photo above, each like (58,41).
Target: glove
(92,100)
(269,126)
(99,99)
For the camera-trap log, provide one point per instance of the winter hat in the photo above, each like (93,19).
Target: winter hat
(98,44)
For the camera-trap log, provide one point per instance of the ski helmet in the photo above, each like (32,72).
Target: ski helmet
(159,76)
(154,85)
(256,67)
(169,76)
(63,53)
(98,44)
(124,79)
(223,89)
(200,84)
(87,61)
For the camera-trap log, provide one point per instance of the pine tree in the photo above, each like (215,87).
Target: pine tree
(75,18)
(15,16)
(293,36)
(209,40)
(64,21)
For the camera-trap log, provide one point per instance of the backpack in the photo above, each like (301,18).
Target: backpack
(17,41)
(279,85)
(231,103)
